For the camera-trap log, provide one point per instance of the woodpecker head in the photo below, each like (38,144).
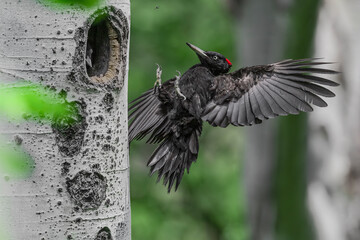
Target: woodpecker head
(216,62)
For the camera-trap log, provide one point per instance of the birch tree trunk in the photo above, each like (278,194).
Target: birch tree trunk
(80,185)
(333,192)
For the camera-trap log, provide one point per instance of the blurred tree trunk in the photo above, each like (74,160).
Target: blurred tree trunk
(261,33)
(80,185)
(269,31)
(334,157)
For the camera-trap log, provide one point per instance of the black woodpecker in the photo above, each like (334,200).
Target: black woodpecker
(172,113)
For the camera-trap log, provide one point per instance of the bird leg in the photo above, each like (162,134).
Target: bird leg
(158,76)
(177,88)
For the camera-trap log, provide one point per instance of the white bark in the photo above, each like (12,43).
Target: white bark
(334,140)
(80,185)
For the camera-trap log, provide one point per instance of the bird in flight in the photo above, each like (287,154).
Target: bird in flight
(172,113)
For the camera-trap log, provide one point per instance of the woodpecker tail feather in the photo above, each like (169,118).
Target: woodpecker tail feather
(173,156)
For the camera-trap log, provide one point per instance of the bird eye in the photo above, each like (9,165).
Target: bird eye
(215,57)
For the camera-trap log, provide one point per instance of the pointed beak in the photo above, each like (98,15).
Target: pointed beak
(199,52)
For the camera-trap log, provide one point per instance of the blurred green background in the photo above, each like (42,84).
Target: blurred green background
(209,203)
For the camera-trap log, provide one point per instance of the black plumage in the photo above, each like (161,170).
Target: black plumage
(172,113)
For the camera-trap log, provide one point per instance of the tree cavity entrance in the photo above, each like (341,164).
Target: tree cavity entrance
(102,51)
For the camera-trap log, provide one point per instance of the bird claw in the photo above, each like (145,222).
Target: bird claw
(178,76)
(177,88)
(158,76)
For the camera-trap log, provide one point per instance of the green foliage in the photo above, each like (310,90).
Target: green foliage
(25,101)
(14,162)
(209,203)
(34,102)
(72,3)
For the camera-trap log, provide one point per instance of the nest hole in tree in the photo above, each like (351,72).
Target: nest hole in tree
(102,51)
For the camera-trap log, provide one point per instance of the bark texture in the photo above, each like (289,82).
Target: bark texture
(334,157)
(80,185)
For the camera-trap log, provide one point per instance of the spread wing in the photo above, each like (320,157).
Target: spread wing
(253,94)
